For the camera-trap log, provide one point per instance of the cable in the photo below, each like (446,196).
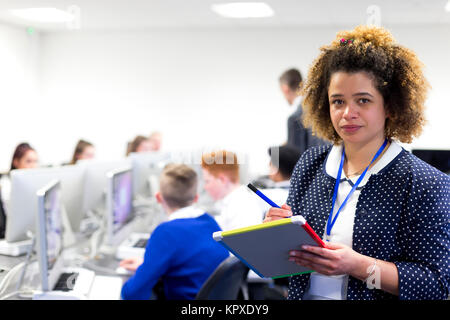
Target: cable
(11,273)
(22,294)
(27,259)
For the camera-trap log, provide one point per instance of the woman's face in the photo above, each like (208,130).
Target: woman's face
(356,107)
(28,161)
(88,153)
(144,146)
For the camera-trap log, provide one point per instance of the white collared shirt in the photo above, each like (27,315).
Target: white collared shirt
(330,287)
(297,102)
(240,208)
(186,213)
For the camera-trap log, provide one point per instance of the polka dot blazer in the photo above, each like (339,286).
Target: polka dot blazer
(402,216)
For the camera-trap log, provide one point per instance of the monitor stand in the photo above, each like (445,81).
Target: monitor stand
(110,244)
(14,249)
(58,295)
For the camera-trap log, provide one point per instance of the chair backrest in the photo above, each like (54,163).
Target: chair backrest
(225,282)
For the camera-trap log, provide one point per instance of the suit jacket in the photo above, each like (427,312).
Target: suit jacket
(402,216)
(298,135)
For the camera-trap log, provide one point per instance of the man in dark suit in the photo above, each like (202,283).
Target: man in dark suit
(298,136)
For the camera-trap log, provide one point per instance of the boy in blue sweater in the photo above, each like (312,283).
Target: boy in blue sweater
(180,251)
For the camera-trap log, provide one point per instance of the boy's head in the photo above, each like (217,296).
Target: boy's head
(220,173)
(177,186)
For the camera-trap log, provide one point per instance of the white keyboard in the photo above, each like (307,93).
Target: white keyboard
(87,286)
(133,246)
(106,288)
(84,280)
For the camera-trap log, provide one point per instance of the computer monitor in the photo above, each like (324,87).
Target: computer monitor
(25,183)
(439,159)
(119,204)
(49,233)
(96,183)
(147,166)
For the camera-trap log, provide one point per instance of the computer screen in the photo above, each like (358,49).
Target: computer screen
(50,233)
(122,199)
(96,183)
(22,206)
(147,167)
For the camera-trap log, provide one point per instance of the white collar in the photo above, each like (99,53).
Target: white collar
(185,213)
(334,158)
(282,184)
(234,193)
(297,102)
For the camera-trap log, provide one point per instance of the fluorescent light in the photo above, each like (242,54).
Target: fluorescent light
(243,10)
(447,6)
(51,15)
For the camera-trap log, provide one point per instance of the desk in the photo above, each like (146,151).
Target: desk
(77,255)
(7,263)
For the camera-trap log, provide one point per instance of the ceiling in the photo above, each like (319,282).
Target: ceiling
(151,14)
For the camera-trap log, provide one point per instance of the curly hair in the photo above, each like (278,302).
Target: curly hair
(396,73)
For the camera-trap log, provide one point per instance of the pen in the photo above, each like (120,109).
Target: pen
(262,196)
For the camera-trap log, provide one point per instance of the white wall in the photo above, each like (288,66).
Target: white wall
(19,57)
(200,87)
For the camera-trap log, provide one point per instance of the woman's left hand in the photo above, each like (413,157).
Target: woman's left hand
(336,259)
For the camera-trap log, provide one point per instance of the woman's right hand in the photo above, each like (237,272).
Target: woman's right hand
(278,213)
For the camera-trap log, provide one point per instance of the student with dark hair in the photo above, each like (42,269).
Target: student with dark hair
(276,185)
(24,157)
(180,251)
(139,144)
(83,150)
(282,162)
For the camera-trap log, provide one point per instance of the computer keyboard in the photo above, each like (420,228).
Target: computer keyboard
(66,281)
(141,243)
(133,246)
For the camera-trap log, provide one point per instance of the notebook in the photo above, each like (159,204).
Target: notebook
(265,247)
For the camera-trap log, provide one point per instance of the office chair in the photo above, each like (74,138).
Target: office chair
(225,282)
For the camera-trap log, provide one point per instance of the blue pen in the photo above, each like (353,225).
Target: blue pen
(262,196)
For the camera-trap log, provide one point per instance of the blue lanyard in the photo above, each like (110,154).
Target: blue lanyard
(331,222)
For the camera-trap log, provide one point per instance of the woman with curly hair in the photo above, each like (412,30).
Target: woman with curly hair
(384,214)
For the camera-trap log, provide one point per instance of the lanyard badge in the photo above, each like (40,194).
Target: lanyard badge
(332,220)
